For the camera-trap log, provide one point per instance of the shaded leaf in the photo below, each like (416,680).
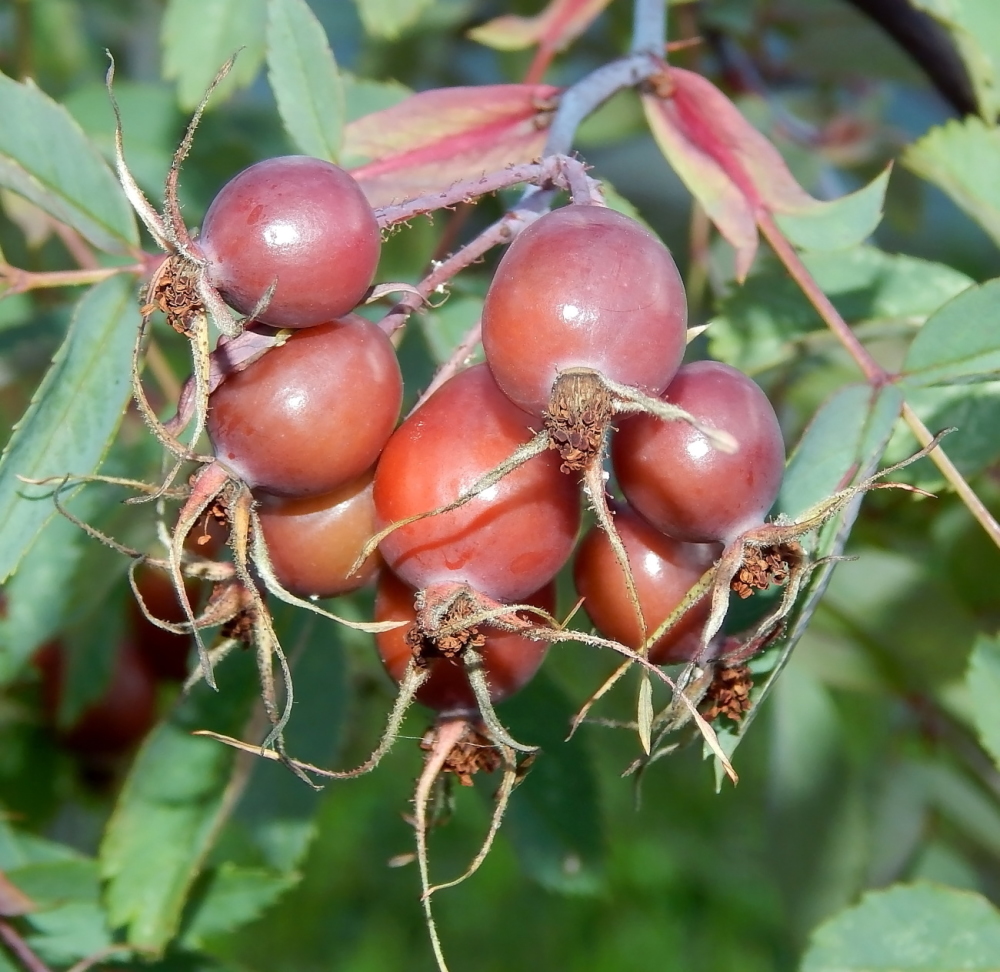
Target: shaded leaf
(390,18)
(13,901)
(554,819)
(199,36)
(277,813)
(53,883)
(362,96)
(972,410)
(975,28)
(73,416)
(737,174)
(171,807)
(304,78)
(232,897)
(960,158)
(436,138)
(150,119)
(909,928)
(47,159)
(553,29)
(762,323)
(982,682)
(446,325)
(961,342)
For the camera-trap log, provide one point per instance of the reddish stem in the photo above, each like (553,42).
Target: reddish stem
(873,372)
(22,281)
(20,949)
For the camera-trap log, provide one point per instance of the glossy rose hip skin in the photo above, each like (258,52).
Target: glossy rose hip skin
(302,222)
(584,287)
(312,414)
(510,660)
(314,541)
(508,541)
(671,474)
(663,570)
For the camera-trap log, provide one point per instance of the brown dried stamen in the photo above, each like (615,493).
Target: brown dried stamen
(426,641)
(578,415)
(174,290)
(761,567)
(473,753)
(729,693)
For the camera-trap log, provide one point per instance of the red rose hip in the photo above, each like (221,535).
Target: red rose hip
(671,474)
(584,287)
(312,414)
(300,223)
(506,542)
(314,541)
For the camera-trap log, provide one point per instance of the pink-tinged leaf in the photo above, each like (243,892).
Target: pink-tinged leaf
(435,138)
(557,26)
(731,168)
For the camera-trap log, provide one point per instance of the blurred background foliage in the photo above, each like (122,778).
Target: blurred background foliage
(864,768)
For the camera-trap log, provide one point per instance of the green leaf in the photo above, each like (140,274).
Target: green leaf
(446,325)
(763,323)
(199,36)
(972,410)
(554,819)
(390,18)
(975,27)
(363,96)
(304,79)
(909,928)
(849,430)
(19,849)
(982,682)
(234,896)
(45,157)
(73,416)
(150,121)
(840,223)
(961,342)
(69,923)
(960,158)
(171,808)
(69,933)
(52,883)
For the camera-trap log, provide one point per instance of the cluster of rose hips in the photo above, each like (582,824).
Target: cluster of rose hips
(475,498)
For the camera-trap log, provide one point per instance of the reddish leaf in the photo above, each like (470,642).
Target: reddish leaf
(436,138)
(731,168)
(557,26)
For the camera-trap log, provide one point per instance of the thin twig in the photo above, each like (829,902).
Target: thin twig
(22,281)
(20,949)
